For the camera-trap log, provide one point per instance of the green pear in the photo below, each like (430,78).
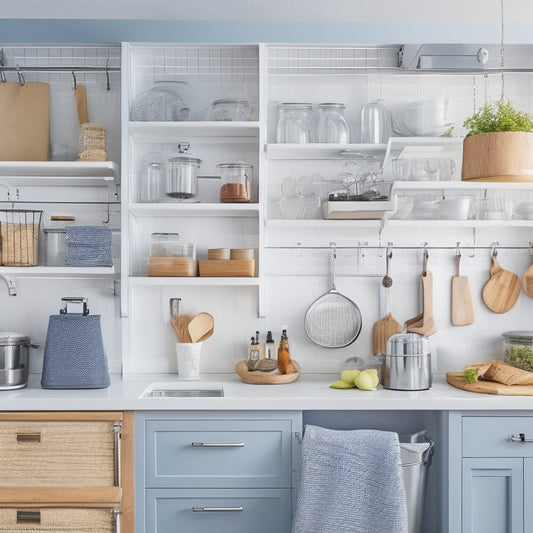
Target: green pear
(349,375)
(342,385)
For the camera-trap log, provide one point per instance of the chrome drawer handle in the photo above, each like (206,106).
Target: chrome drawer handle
(28,517)
(521,438)
(217,444)
(218,509)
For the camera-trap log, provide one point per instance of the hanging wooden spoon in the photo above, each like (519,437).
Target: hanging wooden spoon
(501,291)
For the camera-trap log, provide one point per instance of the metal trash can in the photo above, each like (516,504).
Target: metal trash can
(416,451)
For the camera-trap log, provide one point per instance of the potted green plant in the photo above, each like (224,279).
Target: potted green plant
(499,144)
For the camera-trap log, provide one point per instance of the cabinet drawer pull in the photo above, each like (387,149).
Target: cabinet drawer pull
(521,438)
(217,444)
(26,517)
(218,509)
(28,437)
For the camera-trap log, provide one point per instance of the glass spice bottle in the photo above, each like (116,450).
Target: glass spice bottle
(284,355)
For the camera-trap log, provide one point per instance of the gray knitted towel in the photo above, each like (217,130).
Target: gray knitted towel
(351,483)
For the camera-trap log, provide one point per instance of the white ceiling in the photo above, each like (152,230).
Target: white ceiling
(402,11)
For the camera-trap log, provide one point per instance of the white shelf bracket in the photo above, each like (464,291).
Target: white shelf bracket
(11,285)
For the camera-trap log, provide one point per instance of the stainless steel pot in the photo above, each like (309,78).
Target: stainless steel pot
(14,360)
(407,363)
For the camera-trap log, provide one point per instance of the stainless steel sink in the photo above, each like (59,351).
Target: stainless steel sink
(184,393)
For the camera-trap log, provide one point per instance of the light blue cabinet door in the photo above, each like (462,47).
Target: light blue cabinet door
(218,511)
(493,495)
(528,495)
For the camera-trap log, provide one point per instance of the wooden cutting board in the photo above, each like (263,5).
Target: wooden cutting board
(502,290)
(488,387)
(25,122)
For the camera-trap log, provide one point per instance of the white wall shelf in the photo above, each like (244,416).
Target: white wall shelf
(192,281)
(405,186)
(171,131)
(193,209)
(58,173)
(321,150)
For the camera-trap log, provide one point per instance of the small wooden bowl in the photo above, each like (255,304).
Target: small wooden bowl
(257,377)
(242,254)
(218,254)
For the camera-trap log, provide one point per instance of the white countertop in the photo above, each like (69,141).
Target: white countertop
(310,392)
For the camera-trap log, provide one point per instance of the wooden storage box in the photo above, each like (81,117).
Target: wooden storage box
(231,268)
(172,266)
(60,519)
(57,454)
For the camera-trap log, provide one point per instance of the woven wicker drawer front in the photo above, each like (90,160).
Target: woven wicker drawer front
(56,454)
(57,520)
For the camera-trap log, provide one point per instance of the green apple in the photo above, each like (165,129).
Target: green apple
(365,380)
(342,385)
(348,376)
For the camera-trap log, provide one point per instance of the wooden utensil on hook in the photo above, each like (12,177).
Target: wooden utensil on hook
(462,308)
(527,278)
(501,291)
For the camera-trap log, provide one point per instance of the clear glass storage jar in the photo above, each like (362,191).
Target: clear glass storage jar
(518,349)
(169,245)
(332,126)
(294,123)
(235,181)
(151,177)
(182,181)
(229,109)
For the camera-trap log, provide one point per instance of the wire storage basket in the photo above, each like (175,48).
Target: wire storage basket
(19,230)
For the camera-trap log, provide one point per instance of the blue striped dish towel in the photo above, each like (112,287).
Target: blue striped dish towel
(89,246)
(351,483)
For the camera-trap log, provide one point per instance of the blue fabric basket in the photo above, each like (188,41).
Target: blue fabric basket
(74,356)
(89,246)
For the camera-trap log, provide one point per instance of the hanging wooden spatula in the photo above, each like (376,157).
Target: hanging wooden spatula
(462,308)
(502,289)
(80,96)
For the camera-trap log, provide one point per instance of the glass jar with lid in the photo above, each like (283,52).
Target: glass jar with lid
(332,126)
(294,123)
(235,181)
(229,109)
(518,349)
(182,180)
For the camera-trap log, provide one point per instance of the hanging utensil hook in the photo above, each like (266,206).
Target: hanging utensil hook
(74,79)
(333,265)
(108,85)
(458,249)
(22,81)
(426,258)
(494,252)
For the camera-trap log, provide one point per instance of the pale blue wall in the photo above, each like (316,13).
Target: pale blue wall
(46,31)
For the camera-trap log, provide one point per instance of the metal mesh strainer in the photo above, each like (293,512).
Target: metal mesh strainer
(333,320)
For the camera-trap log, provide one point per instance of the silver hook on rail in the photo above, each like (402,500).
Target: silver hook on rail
(494,252)
(108,85)
(426,258)
(22,81)
(74,79)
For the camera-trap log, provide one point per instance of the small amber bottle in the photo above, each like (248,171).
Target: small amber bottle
(284,355)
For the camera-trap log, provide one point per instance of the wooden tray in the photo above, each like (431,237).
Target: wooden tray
(488,387)
(266,378)
(172,266)
(231,268)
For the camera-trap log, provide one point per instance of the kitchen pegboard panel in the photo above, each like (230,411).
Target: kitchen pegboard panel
(314,59)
